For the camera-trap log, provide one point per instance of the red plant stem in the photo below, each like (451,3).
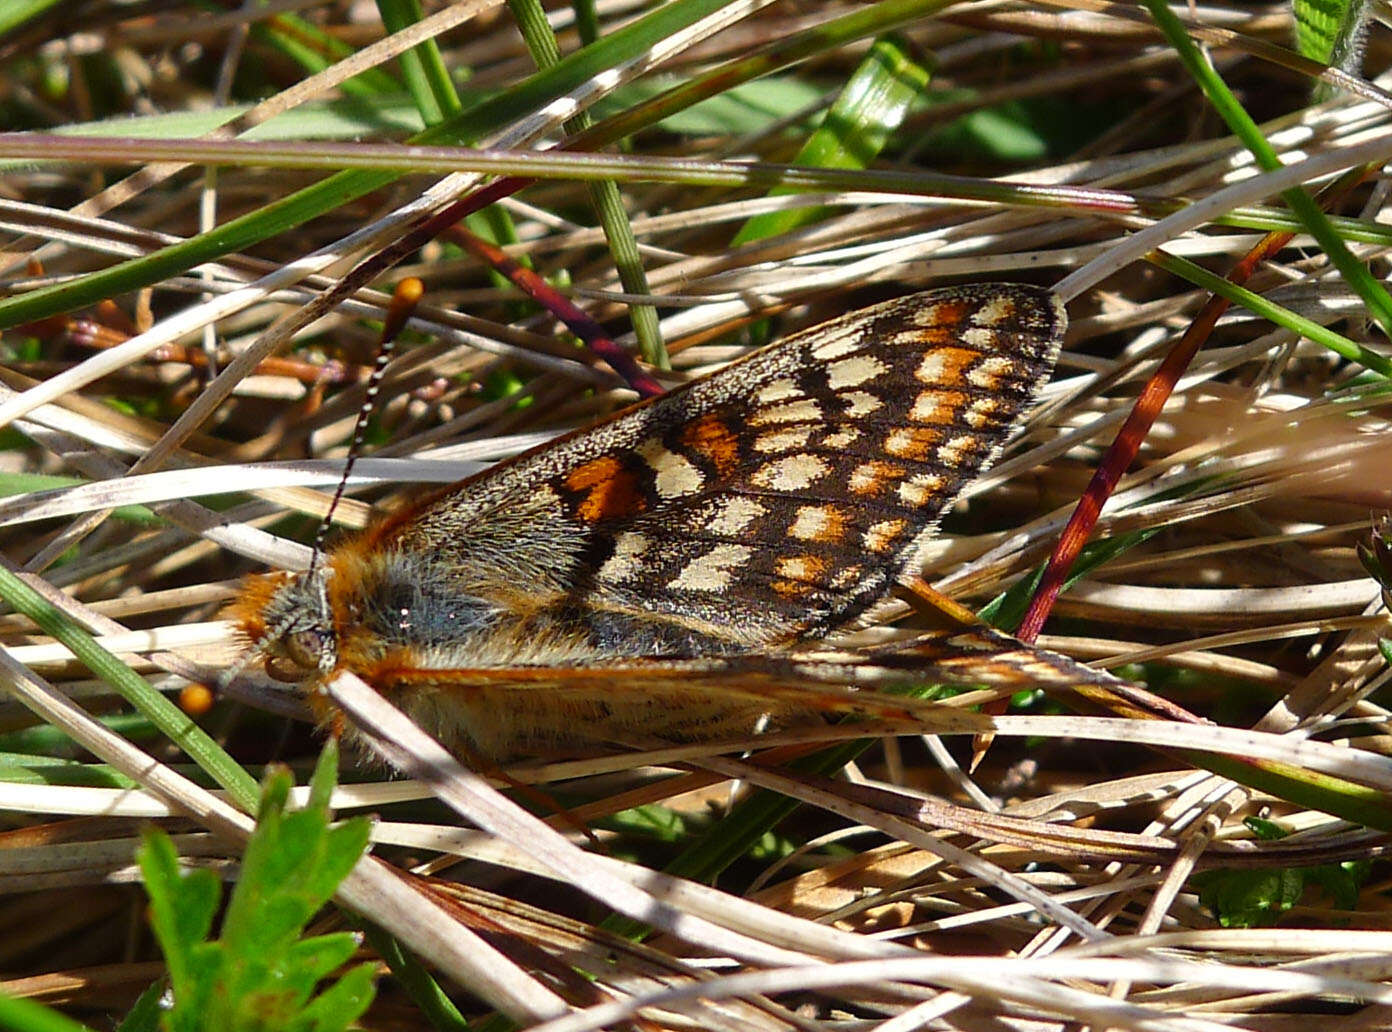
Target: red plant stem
(1127,444)
(578,321)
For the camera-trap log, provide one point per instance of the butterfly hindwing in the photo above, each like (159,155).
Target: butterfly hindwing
(545,711)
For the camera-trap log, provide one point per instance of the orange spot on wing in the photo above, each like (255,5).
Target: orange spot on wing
(912,442)
(797,575)
(875,477)
(946,366)
(610,490)
(938,406)
(714,441)
(936,336)
(949,312)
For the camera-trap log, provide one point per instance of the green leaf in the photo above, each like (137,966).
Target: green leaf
(145,1015)
(340,1004)
(870,107)
(1341,881)
(260,975)
(18,1015)
(1332,32)
(182,905)
(1254,899)
(747,108)
(1249,899)
(316,958)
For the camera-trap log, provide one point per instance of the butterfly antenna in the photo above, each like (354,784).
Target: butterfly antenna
(403,305)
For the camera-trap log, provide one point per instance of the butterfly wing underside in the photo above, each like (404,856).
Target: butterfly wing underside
(773,501)
(541,711)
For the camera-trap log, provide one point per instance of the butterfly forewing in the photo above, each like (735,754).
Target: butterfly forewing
(667,574)
(774,500)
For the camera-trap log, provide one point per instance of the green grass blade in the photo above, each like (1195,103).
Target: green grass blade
(176,725)
(14,13)
(314,50)
(1355,274)
(604,195)
(870,107)
(18,1015)
(480,120)
(422,66)
(1335,342)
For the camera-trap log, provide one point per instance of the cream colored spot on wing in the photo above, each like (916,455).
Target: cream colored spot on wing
(981,412)
(994,312)
(817,523)
(673,475)
(977,337)
(734,514)
(936,406)
(804,411)
(957,450)
(922,488)
(797,576)
(790,474)
(712,571)
(854,371)
(800,567)
(783,440)
(870,478)
(843,438)
(861,403)
(839,346)
(779,390)
(912,442)
(880,536)
(944,312)
(626,560)
(988,374)
(945,365)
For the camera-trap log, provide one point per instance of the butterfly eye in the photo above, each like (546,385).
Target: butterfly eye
(307,647)
(300,653)
(280,669)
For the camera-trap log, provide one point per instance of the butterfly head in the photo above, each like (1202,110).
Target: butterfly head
(290,624)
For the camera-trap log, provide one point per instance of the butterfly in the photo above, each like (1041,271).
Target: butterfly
(681,571)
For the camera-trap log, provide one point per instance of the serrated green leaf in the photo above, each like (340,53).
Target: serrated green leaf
(182,905)
(321,955)
(341,1004)
(1325,29)
(260,975)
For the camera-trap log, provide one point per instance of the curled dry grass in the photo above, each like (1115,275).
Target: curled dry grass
(1052,888)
